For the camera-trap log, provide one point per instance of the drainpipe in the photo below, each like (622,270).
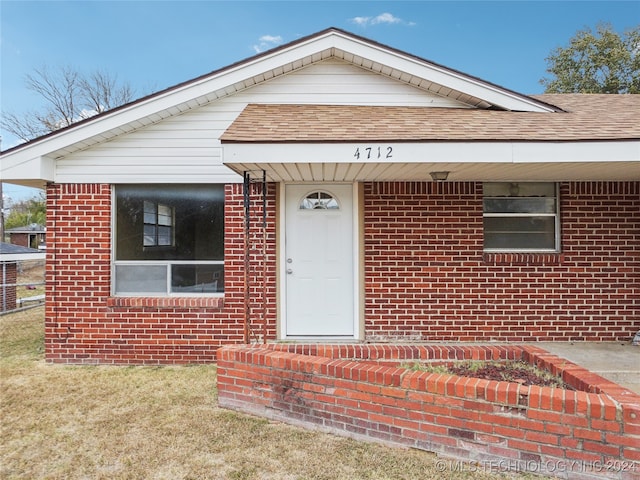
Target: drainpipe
(247,224)
(264,256)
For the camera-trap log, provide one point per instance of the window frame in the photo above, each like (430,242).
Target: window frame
(555,215)
(167,263)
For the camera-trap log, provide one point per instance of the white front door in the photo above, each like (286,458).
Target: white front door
(319,261)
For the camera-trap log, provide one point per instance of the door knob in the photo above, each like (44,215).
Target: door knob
(289,271)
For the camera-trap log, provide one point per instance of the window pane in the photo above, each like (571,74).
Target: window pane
(149,235)
(197,278)
(195,212)
(164,236)
(520,205)
(150,217)
(141,278)
(164,215)
(519,233)
(522,189)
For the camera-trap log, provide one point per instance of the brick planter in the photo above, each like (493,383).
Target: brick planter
(353,390)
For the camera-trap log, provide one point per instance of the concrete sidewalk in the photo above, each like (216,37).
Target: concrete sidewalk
(615,361)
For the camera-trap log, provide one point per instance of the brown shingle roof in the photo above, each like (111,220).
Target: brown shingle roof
(585,117)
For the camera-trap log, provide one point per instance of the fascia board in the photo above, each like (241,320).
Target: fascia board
(442,76)
(14,257)
(24,168)
(437,152)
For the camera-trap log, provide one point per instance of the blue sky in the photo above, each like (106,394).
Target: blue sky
(157,44)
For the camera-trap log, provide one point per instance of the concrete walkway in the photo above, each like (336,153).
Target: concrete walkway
(615,361)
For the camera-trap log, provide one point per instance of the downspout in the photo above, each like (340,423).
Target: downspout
(247,224)
(264,256)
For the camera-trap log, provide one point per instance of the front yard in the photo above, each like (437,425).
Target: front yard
(162,423)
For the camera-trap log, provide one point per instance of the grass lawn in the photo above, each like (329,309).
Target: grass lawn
(107,422)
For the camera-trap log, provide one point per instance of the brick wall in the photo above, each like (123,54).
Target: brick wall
(426,277)
(21,239)
(570,434)
(84,324)
(8,290)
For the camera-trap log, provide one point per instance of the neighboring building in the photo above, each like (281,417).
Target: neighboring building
(10,256)
(402,201)
(31,236)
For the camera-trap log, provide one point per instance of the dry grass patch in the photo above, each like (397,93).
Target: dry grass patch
(64,422)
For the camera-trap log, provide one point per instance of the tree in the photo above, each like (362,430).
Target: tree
(69,96)
(26,212)
(596,62)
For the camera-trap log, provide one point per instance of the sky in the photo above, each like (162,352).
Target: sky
(157,44)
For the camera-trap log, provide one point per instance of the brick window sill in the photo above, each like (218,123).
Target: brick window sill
(166,302)
(522,258)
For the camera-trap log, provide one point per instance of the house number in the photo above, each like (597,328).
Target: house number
(373,152)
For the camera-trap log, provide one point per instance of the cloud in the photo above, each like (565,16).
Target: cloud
(266,42)
(386,17)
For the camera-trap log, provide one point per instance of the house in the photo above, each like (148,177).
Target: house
(336,189)
(30,236)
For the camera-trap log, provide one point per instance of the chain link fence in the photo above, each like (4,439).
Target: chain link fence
(21,285)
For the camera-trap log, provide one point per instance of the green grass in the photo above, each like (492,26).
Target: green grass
(110,422)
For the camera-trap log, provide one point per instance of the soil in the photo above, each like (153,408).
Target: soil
(509,371)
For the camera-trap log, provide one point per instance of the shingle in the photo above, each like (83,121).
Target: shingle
(584,117)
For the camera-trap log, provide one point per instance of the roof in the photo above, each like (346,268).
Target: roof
(331,42)
(523,137)
(12,253)
(32,228)
(585,118)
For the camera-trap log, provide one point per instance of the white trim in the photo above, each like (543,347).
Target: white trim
(15,257)
(466,161)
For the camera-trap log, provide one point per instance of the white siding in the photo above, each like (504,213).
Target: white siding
(186,148)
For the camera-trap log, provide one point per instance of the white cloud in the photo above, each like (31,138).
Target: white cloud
(363,21)
(266,42)
(385,17)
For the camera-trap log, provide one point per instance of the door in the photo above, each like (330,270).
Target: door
(319,261)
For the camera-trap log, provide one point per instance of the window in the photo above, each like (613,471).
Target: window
(521,217)
(319,201)
(169,239)
(158,225)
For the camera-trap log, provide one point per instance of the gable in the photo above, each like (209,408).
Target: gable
(174,135)
(186,148)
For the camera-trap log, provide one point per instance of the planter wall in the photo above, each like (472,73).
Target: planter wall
(353,390)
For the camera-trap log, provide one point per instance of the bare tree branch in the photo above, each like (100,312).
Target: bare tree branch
(68,96)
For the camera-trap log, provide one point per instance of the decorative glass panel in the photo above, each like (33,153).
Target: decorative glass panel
(319,201)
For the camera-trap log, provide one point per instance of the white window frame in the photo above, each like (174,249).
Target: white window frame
(556,216)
